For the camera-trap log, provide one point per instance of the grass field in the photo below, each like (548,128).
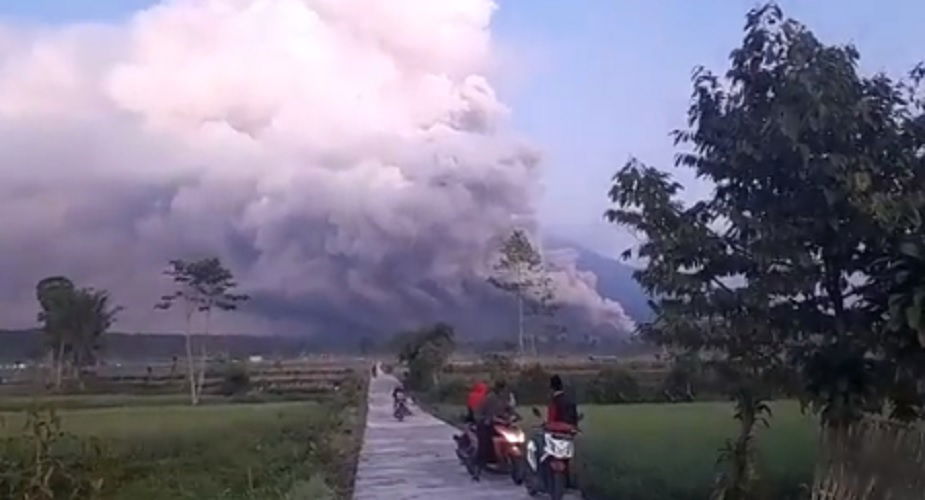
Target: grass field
(668,451)
(233,451)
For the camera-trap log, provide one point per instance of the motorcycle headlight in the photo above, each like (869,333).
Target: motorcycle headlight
(513,436)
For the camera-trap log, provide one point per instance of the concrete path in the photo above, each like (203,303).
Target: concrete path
(416,459)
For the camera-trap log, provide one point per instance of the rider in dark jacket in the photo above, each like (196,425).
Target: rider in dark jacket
(561,408)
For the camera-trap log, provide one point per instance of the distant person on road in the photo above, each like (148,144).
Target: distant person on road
(397,393)
(561,408)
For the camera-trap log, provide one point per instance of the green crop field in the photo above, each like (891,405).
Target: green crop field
(668,451)
(234,451)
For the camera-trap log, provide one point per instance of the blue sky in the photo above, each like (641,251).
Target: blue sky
(600,80)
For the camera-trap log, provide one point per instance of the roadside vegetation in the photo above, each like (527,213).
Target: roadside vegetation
(73,428)
(245,451)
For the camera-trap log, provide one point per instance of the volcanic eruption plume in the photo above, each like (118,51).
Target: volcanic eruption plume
(348,159)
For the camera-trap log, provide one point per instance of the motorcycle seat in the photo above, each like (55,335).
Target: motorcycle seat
(560,428)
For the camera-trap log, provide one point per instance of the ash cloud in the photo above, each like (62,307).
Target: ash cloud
(347,158)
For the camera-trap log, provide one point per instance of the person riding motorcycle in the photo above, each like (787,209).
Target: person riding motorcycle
(561,416)
(495,405)
(561,408)
(475,399)
(398,394)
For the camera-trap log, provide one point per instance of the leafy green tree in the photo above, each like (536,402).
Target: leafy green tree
(74,321)
(53,294)
(91,315)
(202,286)
(521,272)
(426,351)
(771,270)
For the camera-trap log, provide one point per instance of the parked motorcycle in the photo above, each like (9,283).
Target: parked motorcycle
(548,459)
(507,453)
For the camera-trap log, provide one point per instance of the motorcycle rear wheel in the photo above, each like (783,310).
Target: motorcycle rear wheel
(557,486)
(518,470)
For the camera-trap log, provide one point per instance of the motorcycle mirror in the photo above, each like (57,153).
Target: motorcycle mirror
(536,412)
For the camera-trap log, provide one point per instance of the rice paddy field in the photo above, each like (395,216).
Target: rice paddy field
(668,451)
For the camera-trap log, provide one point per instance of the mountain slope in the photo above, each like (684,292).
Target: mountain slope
(614,279)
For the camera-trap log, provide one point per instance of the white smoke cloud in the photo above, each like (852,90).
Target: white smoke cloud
(348,158)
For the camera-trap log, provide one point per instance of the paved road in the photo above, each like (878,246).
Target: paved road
(415,459)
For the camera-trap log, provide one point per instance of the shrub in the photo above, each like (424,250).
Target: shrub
(451,390)
(613,385)
(45,463)
(532,385)
(236,380)
(498,366)
(315,488)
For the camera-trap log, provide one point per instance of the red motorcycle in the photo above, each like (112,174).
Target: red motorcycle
(507,454)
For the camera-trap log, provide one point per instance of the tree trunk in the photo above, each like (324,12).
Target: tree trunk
(520,324)
(191,368)
(742,467)
(202,368)
(59,364)
(203,363)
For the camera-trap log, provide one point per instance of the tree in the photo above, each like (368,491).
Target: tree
(74,321)
(53,294)
(426,351)
(771,270)
(91,315)
(202,286)
(521,272)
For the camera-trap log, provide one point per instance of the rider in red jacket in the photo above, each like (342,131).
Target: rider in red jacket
(475,399)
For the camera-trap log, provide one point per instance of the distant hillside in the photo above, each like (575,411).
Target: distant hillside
(614,279)
(28,345)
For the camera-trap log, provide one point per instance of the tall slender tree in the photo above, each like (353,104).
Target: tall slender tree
(202,286)
(53,294)
(520,271)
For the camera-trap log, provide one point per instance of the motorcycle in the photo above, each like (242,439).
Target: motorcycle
(401,408)
(548,466)
(507,453)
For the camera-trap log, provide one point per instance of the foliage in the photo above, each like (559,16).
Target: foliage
(498,366)
(896,298)
(314,488)
(814,166)
(74,321)
(532,385)
(234,452)
(685,379)
(521,272)
(784,265)
(613,385)
(236,380)
(46,463)
(426,351)
(202,286)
